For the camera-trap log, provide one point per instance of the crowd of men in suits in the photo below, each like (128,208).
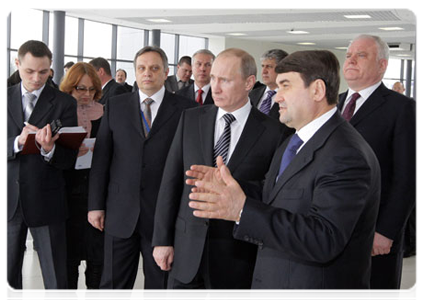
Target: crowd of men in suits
(220,183)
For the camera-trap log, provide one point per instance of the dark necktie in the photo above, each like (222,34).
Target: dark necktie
(199,97)
(267,103)
(146,124)
(29,105)
(290,152)
(222,146)
(350,108)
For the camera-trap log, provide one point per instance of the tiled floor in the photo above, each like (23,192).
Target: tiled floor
(32,275)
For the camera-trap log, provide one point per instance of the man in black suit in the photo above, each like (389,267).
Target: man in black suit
(109,87)
(129,157)
(316,221)
(36,187)
(182,78)
(121,79)
(199,90)
(387,121)
(205,253)
(263,97)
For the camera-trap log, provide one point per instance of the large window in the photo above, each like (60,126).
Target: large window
(396,71)
(95,40)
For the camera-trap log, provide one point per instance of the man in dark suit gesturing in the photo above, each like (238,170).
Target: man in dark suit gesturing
(129,156)
(199,90)
(315,223)
(387,121)
(109,87)
(205,253)
(35,183)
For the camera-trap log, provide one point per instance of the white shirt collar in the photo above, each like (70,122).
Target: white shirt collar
(307,132)
(205,88)
(365,93)
(157,97)
(241,114)
(35,92)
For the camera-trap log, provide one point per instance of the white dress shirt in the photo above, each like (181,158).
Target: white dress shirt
(158,99)
(364,95)
(237,126)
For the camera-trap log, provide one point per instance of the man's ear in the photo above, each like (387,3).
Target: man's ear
(249,83)
(318,89)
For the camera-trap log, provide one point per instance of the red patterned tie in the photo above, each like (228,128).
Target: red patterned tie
(350,108)
(199,98)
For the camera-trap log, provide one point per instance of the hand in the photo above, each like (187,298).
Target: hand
(204,173)
(24,134)
(96,219)
(44,138)
(83,150)
(222,200)
(163,255)
(381,245)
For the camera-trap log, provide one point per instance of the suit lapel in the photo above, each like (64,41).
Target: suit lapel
(135,109)
(304,157)
(43,106)
(375,100)
(15,106)
(252,131)
(256,95)
(166,111)
(207,124)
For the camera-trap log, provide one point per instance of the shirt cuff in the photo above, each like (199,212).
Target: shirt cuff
(49,155)
(16,146)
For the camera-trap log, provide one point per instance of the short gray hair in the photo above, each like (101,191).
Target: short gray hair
(383,48)
(276,54)
(204,51)
(156,49)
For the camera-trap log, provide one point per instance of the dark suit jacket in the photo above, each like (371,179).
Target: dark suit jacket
(38,185)
(315,226)
(387,121)
(111,89)
(189,92)
(255,96)
(171,84)
(175,224)
(127,167)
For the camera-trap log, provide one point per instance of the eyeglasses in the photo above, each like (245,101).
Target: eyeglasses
(83,89)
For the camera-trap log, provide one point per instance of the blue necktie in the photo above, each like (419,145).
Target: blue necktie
(290,152)
(222,145)
(267,103)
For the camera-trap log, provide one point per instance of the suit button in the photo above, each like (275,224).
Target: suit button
(206,223)
(246,238)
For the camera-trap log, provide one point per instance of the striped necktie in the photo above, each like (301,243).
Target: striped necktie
(267,103)
(222,146)
(29,105)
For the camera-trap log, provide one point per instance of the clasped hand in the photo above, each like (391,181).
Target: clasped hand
(42,137)
(216,195)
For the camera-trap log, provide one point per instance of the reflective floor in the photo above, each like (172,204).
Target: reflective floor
(32,278)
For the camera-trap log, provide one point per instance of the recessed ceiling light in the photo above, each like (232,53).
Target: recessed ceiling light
(159,20)
(298,32)
(391,28)
(403,55)
(306,43)
(341,48)
(237,34)
(357,16)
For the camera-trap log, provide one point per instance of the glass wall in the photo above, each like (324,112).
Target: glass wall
(95,40)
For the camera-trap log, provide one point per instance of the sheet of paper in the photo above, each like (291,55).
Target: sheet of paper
(84,161)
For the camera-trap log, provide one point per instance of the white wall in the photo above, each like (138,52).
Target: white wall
(256,49)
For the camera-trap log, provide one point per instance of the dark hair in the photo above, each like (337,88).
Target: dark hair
(276,54)
(36,48)
(126,75)
(184,60)
(156,49)
(100,62)
(68,64)
(313,65)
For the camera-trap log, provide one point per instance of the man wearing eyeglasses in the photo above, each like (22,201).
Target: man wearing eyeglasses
(35,183)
